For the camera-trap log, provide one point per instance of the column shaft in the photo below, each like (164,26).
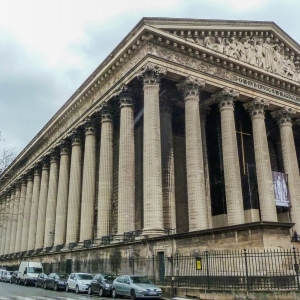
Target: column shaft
(105,188)
(152,177)
(10,211)
(34,208)
(20,217)
(27,208)
(73,222)
(168,176)
(126,186)
(51,200)
(233,188)
(88,184)
(15,219)
(41,220)
(284,117)
(262,160)
(62,195)
(2,225)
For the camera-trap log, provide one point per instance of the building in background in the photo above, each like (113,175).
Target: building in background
(183,139)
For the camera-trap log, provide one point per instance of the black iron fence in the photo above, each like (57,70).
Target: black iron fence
(244,269)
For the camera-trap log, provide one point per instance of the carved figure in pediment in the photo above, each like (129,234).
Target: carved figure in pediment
(268,53)
(259,54)
(250,51)
(278,60)
(241,49)
(219,45)
(232,51)
(209,42)
(289,67)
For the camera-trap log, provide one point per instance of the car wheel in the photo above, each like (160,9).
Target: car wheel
(67,288)
(114,293)
(90,291)
(132,295)
(101,294)
(35,284)
(77,289)
(45,286)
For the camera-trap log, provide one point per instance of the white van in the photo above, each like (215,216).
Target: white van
(28,272)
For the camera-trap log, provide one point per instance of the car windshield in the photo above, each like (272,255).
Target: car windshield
(109,277)
(140,279)
(35,270)
(63,276)
(9,272)
(85,276)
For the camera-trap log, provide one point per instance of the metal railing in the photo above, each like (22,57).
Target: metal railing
(243,269)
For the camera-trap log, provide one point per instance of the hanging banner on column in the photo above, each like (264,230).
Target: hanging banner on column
(281,192)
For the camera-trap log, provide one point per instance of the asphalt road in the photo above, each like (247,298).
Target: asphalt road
(20,292)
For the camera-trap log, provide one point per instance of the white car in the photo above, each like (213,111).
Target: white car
(79,282)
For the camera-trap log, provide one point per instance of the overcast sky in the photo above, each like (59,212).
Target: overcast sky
(49,47)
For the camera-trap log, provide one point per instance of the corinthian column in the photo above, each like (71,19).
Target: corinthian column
(153,204)
(73,222)
(10,201)
(41,220)
(2,226)
(284,118)
(233,188)
(126,185)
(167,153)
(26,217)
(34,208)
(51,200)
(15,219)
(105,188)
(262,160)
(20,216)
(194,155)
(88,183)
(6,200)
(62,195)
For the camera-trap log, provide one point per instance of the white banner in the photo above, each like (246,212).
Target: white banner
(281,192)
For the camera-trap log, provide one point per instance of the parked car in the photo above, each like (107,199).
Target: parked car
(14,277)
(79,282)
(102,284)
(40,280)
(6,275)
(1,272)
(29,270)
(56,281)
(135,286)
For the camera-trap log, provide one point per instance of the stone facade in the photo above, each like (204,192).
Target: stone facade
(169,146)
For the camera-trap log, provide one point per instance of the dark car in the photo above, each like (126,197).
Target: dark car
(14,277)
(40,280)
(56,281)
(101,284)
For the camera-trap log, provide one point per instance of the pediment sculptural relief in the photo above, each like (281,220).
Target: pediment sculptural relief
(259,52)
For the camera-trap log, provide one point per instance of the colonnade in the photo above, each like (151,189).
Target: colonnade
(55,203)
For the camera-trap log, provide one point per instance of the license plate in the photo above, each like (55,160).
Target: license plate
(152,293)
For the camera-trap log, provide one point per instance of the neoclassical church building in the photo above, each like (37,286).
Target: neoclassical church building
(185,138)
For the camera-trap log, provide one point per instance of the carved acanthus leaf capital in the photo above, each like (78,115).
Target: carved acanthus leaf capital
(284,115)
(191,86)
(105,112)
(125,96)
(64,147)
(89,126)
(226,98)
(151,74)
(256,107)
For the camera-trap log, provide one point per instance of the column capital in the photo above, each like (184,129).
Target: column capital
(89,126)
(53,154)
(125,96)
(75,137)
(151,74)
(191,86)
(226,98)
(256,107)
(64,147)
(284,115)
(45,163)
(105,113)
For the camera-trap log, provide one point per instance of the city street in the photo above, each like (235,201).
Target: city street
(20,292)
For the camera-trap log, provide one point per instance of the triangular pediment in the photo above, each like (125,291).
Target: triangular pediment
(259,44)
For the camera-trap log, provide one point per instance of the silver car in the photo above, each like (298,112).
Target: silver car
(135,286)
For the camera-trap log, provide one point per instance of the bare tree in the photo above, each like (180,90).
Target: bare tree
(6,157)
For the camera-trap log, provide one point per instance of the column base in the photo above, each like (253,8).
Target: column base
(150,233)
